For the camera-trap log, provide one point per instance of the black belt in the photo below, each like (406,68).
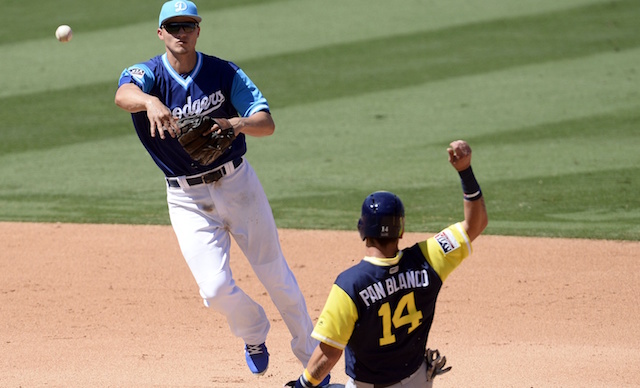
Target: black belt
(209,177)
(384,385)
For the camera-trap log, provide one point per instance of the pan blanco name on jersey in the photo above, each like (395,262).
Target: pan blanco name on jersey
(402,281)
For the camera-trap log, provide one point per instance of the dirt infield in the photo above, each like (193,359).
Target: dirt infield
(115,306)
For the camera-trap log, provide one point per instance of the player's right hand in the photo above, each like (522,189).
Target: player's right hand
(160,119)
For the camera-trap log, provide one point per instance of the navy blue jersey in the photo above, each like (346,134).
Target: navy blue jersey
(395,308)
(215,87)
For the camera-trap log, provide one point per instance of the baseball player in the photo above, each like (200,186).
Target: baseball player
(209,204)
(380,310)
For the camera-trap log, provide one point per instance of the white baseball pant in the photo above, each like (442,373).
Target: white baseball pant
(204,217)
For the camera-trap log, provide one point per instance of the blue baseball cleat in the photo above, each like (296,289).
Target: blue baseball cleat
(257,358)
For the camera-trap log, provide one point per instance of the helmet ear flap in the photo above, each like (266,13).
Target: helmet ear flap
(361,229)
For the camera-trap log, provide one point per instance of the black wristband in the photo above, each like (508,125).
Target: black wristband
(470,186)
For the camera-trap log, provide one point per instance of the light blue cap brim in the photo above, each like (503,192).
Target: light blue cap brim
(175,8)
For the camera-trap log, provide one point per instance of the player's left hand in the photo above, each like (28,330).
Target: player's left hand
(216,129)
(203,145)
(459,155)
(435,364)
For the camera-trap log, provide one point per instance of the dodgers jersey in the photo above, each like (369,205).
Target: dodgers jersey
(214,87)
(380,311)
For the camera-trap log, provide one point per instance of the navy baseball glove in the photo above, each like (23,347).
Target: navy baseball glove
(205,148)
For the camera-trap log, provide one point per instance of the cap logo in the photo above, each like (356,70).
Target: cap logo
(181,6)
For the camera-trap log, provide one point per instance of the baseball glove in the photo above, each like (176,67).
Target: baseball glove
(435,364)
(205,149)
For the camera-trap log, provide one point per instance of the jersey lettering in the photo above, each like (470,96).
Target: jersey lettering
(402,281)
(199,107)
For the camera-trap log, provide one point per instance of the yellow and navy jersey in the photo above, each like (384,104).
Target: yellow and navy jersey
(380,310)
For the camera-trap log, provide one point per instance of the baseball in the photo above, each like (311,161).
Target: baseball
(64,33)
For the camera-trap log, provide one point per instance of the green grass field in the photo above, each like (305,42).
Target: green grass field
(366,96)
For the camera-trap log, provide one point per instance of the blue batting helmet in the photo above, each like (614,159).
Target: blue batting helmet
(382,216)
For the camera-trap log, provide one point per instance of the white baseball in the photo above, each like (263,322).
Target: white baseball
(64,33)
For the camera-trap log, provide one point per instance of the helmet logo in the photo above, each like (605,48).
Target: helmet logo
(382,216)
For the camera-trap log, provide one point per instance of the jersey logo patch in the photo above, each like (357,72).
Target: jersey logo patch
(447,241)
(137,73)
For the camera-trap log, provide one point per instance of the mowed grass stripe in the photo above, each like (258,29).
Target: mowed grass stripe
(597,204)
(44,16)
(526,207)
(526,103)
(57,118)
(358,69)
(590,103)
(574,178)
(466,107)
(398,133)
(284,27)
(570,124)
(299,25)
(100,181)
(405,60)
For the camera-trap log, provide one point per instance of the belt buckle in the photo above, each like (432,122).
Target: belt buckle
(172,182)
(214,176)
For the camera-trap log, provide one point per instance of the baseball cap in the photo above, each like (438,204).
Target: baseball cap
(175,8)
